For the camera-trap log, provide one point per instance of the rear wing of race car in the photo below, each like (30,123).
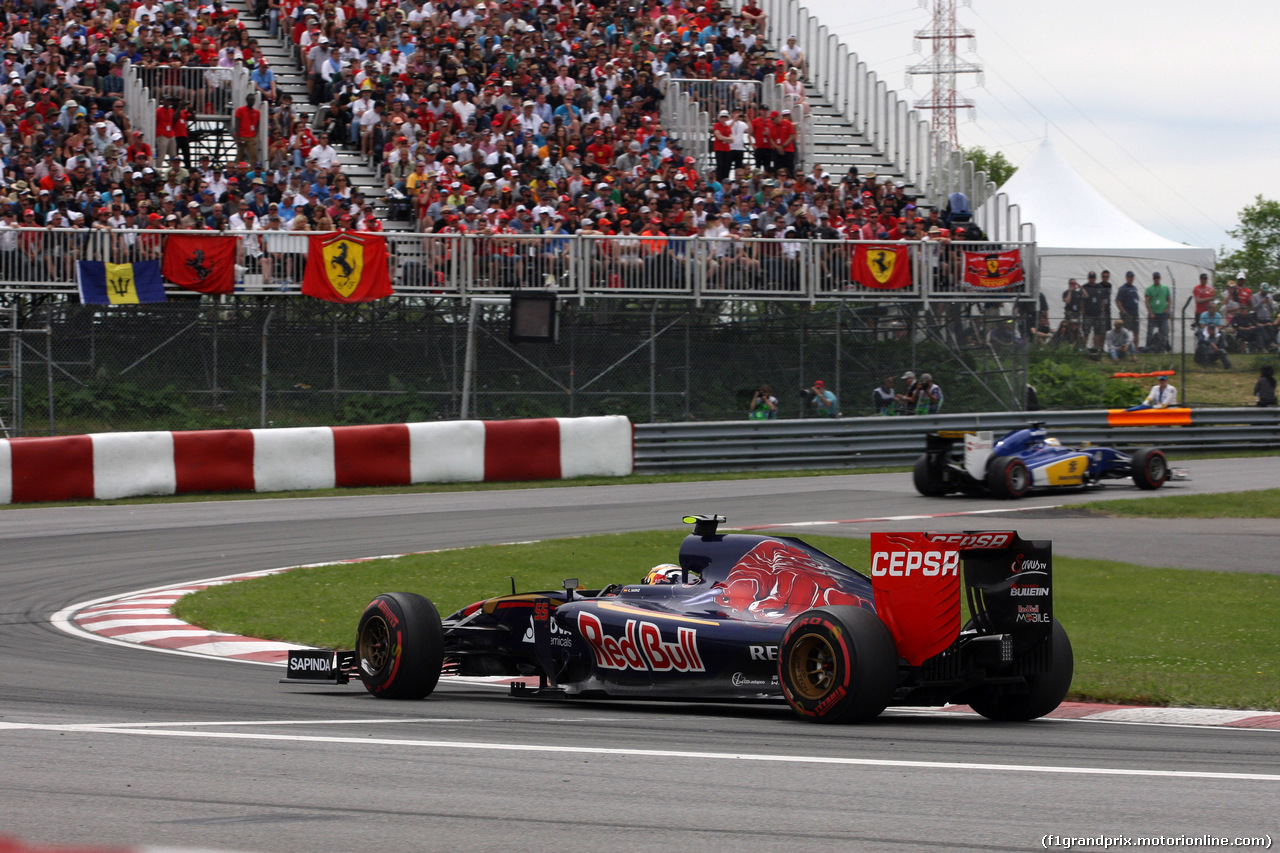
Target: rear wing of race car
(918,580)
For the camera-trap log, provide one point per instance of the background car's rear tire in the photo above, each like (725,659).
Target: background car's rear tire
(1008,477)
(838,664)
(928,481)
(400,646)
(1045,690)
(1150,468)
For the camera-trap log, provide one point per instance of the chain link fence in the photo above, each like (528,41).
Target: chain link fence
(257,362)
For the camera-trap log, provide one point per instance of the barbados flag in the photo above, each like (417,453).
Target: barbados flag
(120,284)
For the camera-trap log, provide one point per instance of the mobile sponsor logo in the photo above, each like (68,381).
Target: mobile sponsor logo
(1030,614)
(641,647)
(904,563)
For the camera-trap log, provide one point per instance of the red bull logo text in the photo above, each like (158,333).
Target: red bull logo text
(641,647)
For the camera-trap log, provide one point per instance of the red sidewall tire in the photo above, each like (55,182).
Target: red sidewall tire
(1008,477)
(1150,469)
(399,646)
(838,664)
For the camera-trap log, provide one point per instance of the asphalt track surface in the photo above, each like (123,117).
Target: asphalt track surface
(102,744)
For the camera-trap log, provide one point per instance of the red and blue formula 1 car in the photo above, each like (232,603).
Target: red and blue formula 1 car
(747,617)
(1027,459)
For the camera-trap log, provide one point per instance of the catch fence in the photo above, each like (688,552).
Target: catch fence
(256,361)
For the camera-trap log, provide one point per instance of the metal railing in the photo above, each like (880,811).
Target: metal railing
(869,442)
(211,93)
(43,260)
(896,131)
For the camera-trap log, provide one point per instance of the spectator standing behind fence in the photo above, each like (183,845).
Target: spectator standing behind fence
(764,406)
(883,399)
(1127,302)
(927,397)
(722,145)
(246,122)
(824,402)
(1157,298)
(1097,309)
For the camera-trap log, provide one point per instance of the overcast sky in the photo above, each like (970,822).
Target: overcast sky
(1168,108)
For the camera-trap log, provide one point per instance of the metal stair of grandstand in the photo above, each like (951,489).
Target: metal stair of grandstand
(837,146)
(292,79)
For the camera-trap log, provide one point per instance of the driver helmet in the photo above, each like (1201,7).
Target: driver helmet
(664,573)
(1053,442)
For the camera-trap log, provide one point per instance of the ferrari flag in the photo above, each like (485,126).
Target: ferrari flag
(119,284)
(348,266)
(197,262)
(993,270)
(881,267)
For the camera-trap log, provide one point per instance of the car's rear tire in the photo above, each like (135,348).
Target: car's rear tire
(1045,690)
(838,664)
(1150,468)
(927,480)
(399,646)
(1008,477)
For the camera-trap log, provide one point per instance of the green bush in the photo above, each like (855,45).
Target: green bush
(1066,386)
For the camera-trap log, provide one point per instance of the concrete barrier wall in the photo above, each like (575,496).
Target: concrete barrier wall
(117,465)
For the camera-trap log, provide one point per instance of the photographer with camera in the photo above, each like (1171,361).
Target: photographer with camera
(823,401)
(764,406)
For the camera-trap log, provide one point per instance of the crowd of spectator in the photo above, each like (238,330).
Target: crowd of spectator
(526,118)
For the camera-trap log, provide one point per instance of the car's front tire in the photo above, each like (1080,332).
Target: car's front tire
(1008,477)
(1150,469)
(400,646)
(838,664)
(1045,690)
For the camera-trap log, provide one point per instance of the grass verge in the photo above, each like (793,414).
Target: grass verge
(1145,635)
(1264,503)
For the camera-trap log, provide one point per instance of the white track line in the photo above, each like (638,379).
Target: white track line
(657,753)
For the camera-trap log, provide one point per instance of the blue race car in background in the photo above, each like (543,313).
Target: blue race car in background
(1027,459)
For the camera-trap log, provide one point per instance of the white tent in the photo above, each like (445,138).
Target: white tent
(1077,230)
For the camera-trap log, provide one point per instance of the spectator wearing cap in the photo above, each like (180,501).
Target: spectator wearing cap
(794,57)
(722,145)
(822,401)
(1127,301)
(782,139)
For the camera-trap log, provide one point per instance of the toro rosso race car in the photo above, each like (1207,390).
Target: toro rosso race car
(749,618)
(1027,459)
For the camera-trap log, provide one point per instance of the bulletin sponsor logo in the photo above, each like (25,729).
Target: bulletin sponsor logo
(641,647)
(1016,591)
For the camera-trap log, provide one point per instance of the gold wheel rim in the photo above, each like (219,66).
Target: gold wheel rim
(813,667)
(375,645)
